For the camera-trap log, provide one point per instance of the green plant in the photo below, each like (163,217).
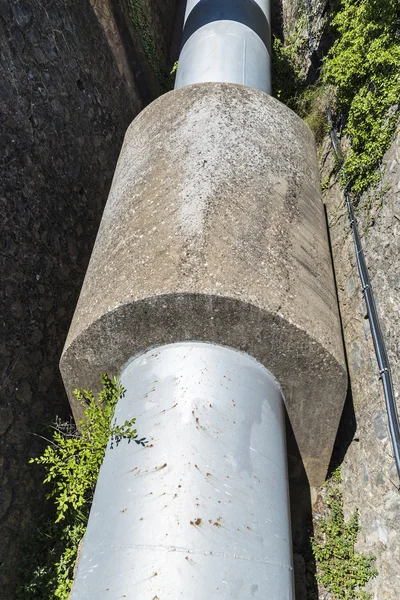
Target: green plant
(172,75)
(72,462)
(364,67)
(74,456)
(311,105)
(174,68)
(288,79)
(361,74)
(340,568)
(153,54)
(49,558)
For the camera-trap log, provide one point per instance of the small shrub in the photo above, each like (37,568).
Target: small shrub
(72,461)
(364,67)
(340,568)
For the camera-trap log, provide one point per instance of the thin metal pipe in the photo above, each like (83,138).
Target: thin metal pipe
(202,511)
(376,330)
(226,41)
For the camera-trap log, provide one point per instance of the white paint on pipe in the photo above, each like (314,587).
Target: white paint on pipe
(226,42)
(225,51)
(202,511)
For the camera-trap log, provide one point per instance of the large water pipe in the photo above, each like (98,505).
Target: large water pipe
(227,41)
(202,512)
(210,292)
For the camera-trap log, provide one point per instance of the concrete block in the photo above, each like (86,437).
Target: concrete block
(214,230)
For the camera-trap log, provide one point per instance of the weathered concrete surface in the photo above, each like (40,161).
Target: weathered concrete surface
(64,111)
(369,474)
(214,230)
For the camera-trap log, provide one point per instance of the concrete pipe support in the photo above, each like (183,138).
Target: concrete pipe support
(227,41)
(214,231)
(202,511)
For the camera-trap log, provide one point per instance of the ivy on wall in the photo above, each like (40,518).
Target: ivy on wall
(364,67)
(153,54)
(360,79)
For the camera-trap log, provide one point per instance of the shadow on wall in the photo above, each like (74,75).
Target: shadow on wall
(301,501)
(65,108)
(347,425)
(345,435)
(277,18)
(301,521)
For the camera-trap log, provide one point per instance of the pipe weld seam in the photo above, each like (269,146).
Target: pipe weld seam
(208,553)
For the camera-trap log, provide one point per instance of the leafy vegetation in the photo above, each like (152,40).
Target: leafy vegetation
(141,24)
(152,52)
(288,79)
(72,462)
(360,80)
(364,67)
(340,568)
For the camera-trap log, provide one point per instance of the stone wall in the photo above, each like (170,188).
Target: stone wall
(154,21)
(363,446)
(308,19)
(160,15)
(66,99)
(370,481)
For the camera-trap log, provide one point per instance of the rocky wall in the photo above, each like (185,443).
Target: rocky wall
(67,96)
(306,20)
(154,21)
(363,447)
(370,482)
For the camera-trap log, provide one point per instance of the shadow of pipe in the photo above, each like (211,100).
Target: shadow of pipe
(301,521)
(345,434)
(302,498)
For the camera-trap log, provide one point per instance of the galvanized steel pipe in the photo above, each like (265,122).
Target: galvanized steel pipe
(202,511)
(226,41)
